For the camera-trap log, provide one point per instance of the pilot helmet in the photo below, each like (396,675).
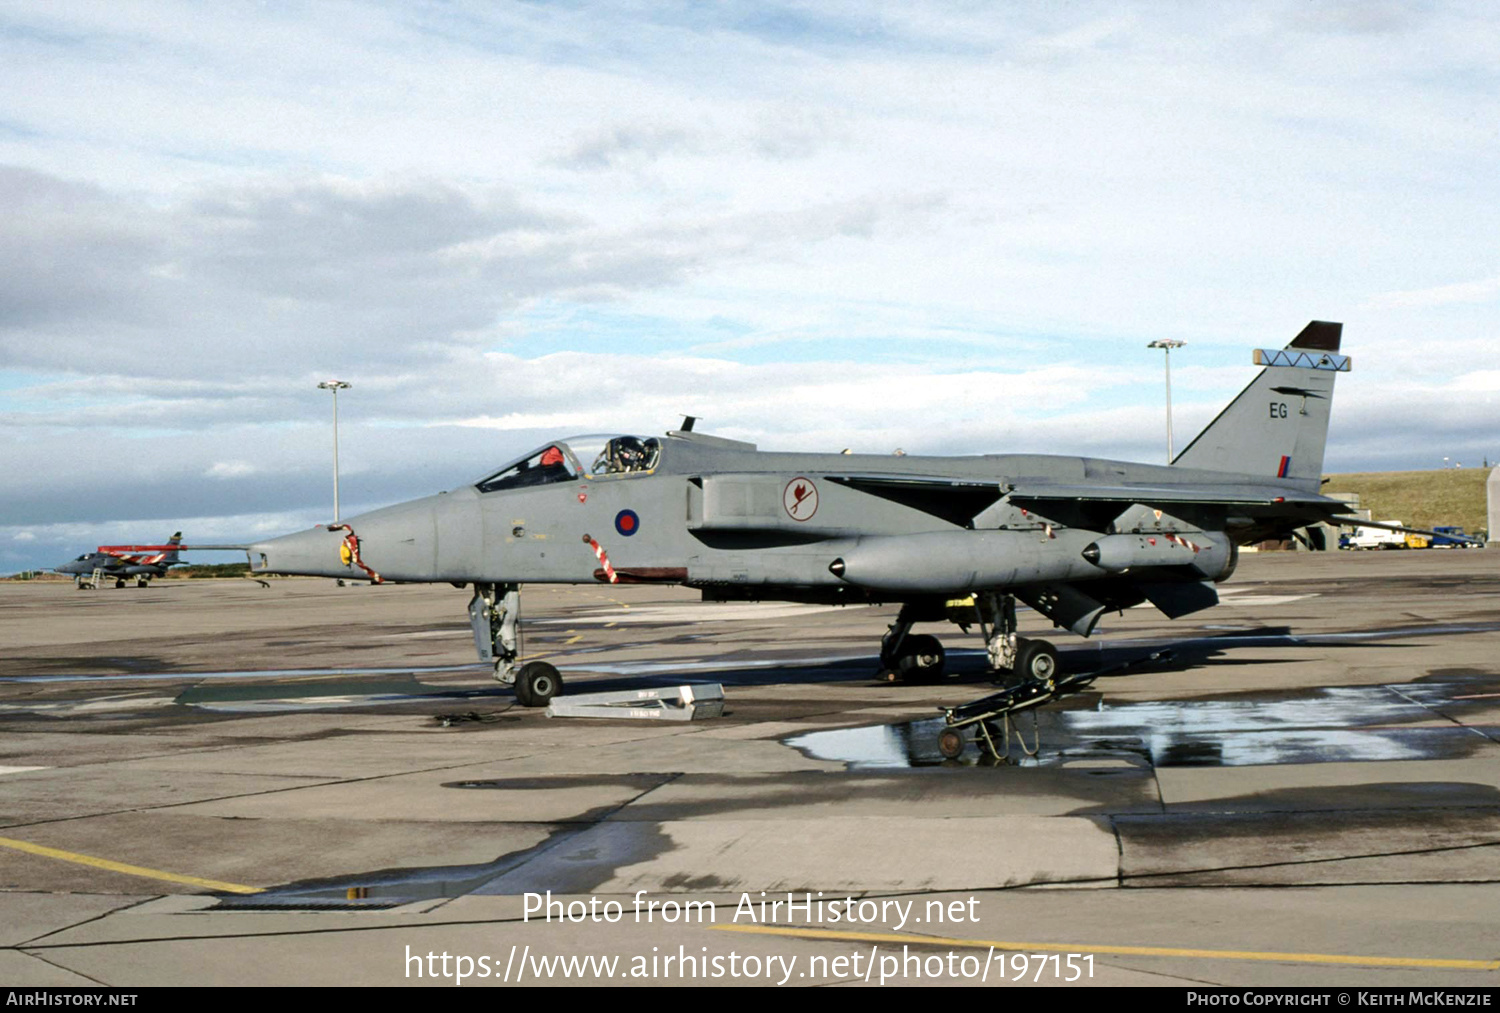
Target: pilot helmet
(630,453)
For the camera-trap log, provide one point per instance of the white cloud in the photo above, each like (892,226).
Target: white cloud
(231,469)
(1485,380)
(1462,292)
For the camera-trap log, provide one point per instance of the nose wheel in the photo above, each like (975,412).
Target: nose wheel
(537,683)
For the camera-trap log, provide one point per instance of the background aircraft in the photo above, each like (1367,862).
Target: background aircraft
(952,539)
(124,562)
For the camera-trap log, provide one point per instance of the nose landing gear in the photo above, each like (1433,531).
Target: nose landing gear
(537,683)
(495,614)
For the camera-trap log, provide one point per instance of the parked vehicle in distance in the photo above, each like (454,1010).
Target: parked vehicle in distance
(1450,537)
(1376,538)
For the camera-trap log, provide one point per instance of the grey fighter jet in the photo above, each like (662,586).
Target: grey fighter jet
(122,563)
(951,539)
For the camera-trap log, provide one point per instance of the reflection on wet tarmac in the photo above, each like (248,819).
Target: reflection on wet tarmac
(1337,725)
(379,889)
(279,673)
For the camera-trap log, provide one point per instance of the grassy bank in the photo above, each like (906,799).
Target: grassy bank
(1422,499)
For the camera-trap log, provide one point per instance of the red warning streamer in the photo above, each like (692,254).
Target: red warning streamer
(351,542)
(609,571)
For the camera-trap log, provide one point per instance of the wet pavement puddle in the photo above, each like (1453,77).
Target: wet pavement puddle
(279,673)
(1334,725)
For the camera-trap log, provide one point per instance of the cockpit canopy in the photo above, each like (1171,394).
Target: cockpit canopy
(594,456)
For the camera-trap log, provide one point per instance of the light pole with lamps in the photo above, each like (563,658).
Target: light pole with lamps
(335,386)
(1166,345)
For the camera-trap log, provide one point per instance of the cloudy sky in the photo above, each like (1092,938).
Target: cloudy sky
(949,227)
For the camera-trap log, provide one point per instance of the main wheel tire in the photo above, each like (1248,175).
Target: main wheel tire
(950,743)
(922,658)
(1036,659)
(537,683)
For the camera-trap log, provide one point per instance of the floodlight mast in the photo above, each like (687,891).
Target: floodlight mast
(1166,345)
(335,386)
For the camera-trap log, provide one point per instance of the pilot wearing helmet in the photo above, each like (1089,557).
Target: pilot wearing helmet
(553,466)
(629,453)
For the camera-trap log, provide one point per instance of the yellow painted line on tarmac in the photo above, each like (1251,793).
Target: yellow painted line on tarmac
(573,640)
(1129,951)
(121,867)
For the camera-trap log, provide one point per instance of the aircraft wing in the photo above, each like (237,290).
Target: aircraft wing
(958,500)
(1222,495)
(952,499)
(116,550)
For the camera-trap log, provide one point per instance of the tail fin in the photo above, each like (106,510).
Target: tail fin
(1277,426)
(174,541)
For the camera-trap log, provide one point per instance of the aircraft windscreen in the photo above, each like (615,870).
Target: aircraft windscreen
(543,467)
(591,456)
(616,455)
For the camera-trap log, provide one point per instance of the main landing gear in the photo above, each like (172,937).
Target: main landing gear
(495,614)
(907,656)
(1028,667)
(917,657)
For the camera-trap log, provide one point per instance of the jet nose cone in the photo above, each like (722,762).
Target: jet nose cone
(315,553)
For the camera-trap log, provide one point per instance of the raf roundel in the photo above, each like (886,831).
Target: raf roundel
(627,522)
